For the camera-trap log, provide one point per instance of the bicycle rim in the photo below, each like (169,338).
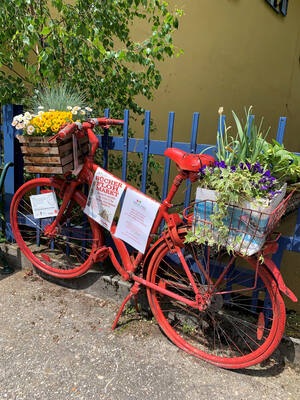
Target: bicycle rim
(68,253)
(239,326)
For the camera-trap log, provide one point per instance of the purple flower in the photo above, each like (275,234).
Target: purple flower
(267,173)
(202,170)
(248,166)
(263,188)
(257,168)
(221,164)
(233,168)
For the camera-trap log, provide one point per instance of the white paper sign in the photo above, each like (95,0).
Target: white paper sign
(136,219)
(44,205)
(104,197)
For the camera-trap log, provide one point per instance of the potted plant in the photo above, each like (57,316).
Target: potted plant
(239,199)
(50,110)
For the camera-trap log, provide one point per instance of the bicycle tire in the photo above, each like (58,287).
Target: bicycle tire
(232,332)
(69,253)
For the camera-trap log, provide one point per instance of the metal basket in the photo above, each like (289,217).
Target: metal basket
(247,228)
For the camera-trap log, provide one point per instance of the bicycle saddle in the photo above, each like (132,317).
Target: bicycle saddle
(187,161)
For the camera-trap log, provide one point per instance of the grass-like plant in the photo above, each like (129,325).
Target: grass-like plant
(246,146)
(58,97)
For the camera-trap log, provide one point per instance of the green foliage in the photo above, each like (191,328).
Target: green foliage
(246,146)
(284,164)
(89,45)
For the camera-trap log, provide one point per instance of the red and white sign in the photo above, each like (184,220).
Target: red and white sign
(104,197)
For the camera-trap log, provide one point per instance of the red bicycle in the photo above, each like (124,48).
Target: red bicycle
(224,309)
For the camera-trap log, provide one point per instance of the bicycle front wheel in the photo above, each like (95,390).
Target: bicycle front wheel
(238,320)
(67,253)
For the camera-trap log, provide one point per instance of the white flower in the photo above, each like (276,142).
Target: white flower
(74,112)
(221,109)
(40,107)
(82,112)
(40,113)
(76,108)
(20,126)
(69,108)
(88,109)
(19,118)
(14,123)
(51,109)
(30,129)
(27,115)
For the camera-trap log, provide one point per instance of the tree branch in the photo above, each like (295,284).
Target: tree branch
(17,73)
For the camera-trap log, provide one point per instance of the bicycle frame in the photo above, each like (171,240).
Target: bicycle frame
(129,263)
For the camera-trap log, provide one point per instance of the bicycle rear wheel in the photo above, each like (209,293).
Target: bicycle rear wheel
(239,325)
(68,253)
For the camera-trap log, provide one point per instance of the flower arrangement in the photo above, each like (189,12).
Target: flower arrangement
(242,176)
(52,108)
(47,123)
(242,182)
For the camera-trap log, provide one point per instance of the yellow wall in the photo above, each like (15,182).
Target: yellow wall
(236,53)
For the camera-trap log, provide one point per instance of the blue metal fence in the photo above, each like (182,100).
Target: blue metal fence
(126,145)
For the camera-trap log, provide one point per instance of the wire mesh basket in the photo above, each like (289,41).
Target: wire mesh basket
(246,228)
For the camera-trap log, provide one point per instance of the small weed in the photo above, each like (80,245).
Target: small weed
(188,329)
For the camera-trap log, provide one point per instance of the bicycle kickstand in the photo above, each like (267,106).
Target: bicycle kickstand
(133,292)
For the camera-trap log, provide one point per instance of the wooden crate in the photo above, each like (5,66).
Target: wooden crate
(56,157)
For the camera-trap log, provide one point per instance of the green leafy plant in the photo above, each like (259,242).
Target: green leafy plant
(92,46)
(283,164)
(246,146)
(88,44)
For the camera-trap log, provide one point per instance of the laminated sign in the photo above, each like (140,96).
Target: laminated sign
(136,219)
(44,205)
(104,197)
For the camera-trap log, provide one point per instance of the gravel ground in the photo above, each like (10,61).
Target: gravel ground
(56,344)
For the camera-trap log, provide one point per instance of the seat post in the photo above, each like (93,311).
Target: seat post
(182,176)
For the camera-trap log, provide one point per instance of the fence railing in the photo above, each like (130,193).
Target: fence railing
(125,145)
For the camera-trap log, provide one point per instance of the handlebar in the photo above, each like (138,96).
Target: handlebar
(71,128)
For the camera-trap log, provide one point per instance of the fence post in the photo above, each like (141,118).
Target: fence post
(145,151)
(105,142)
(12,153)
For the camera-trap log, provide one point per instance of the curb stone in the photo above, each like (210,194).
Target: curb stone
(103,281)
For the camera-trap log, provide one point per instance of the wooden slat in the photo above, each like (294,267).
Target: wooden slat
(40,150)
(66,160)
(84,150)
(48,160)
(49,169)
(40,140)
(44,170)
(65,148)
(42,160)
(35,139)
(83,140)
